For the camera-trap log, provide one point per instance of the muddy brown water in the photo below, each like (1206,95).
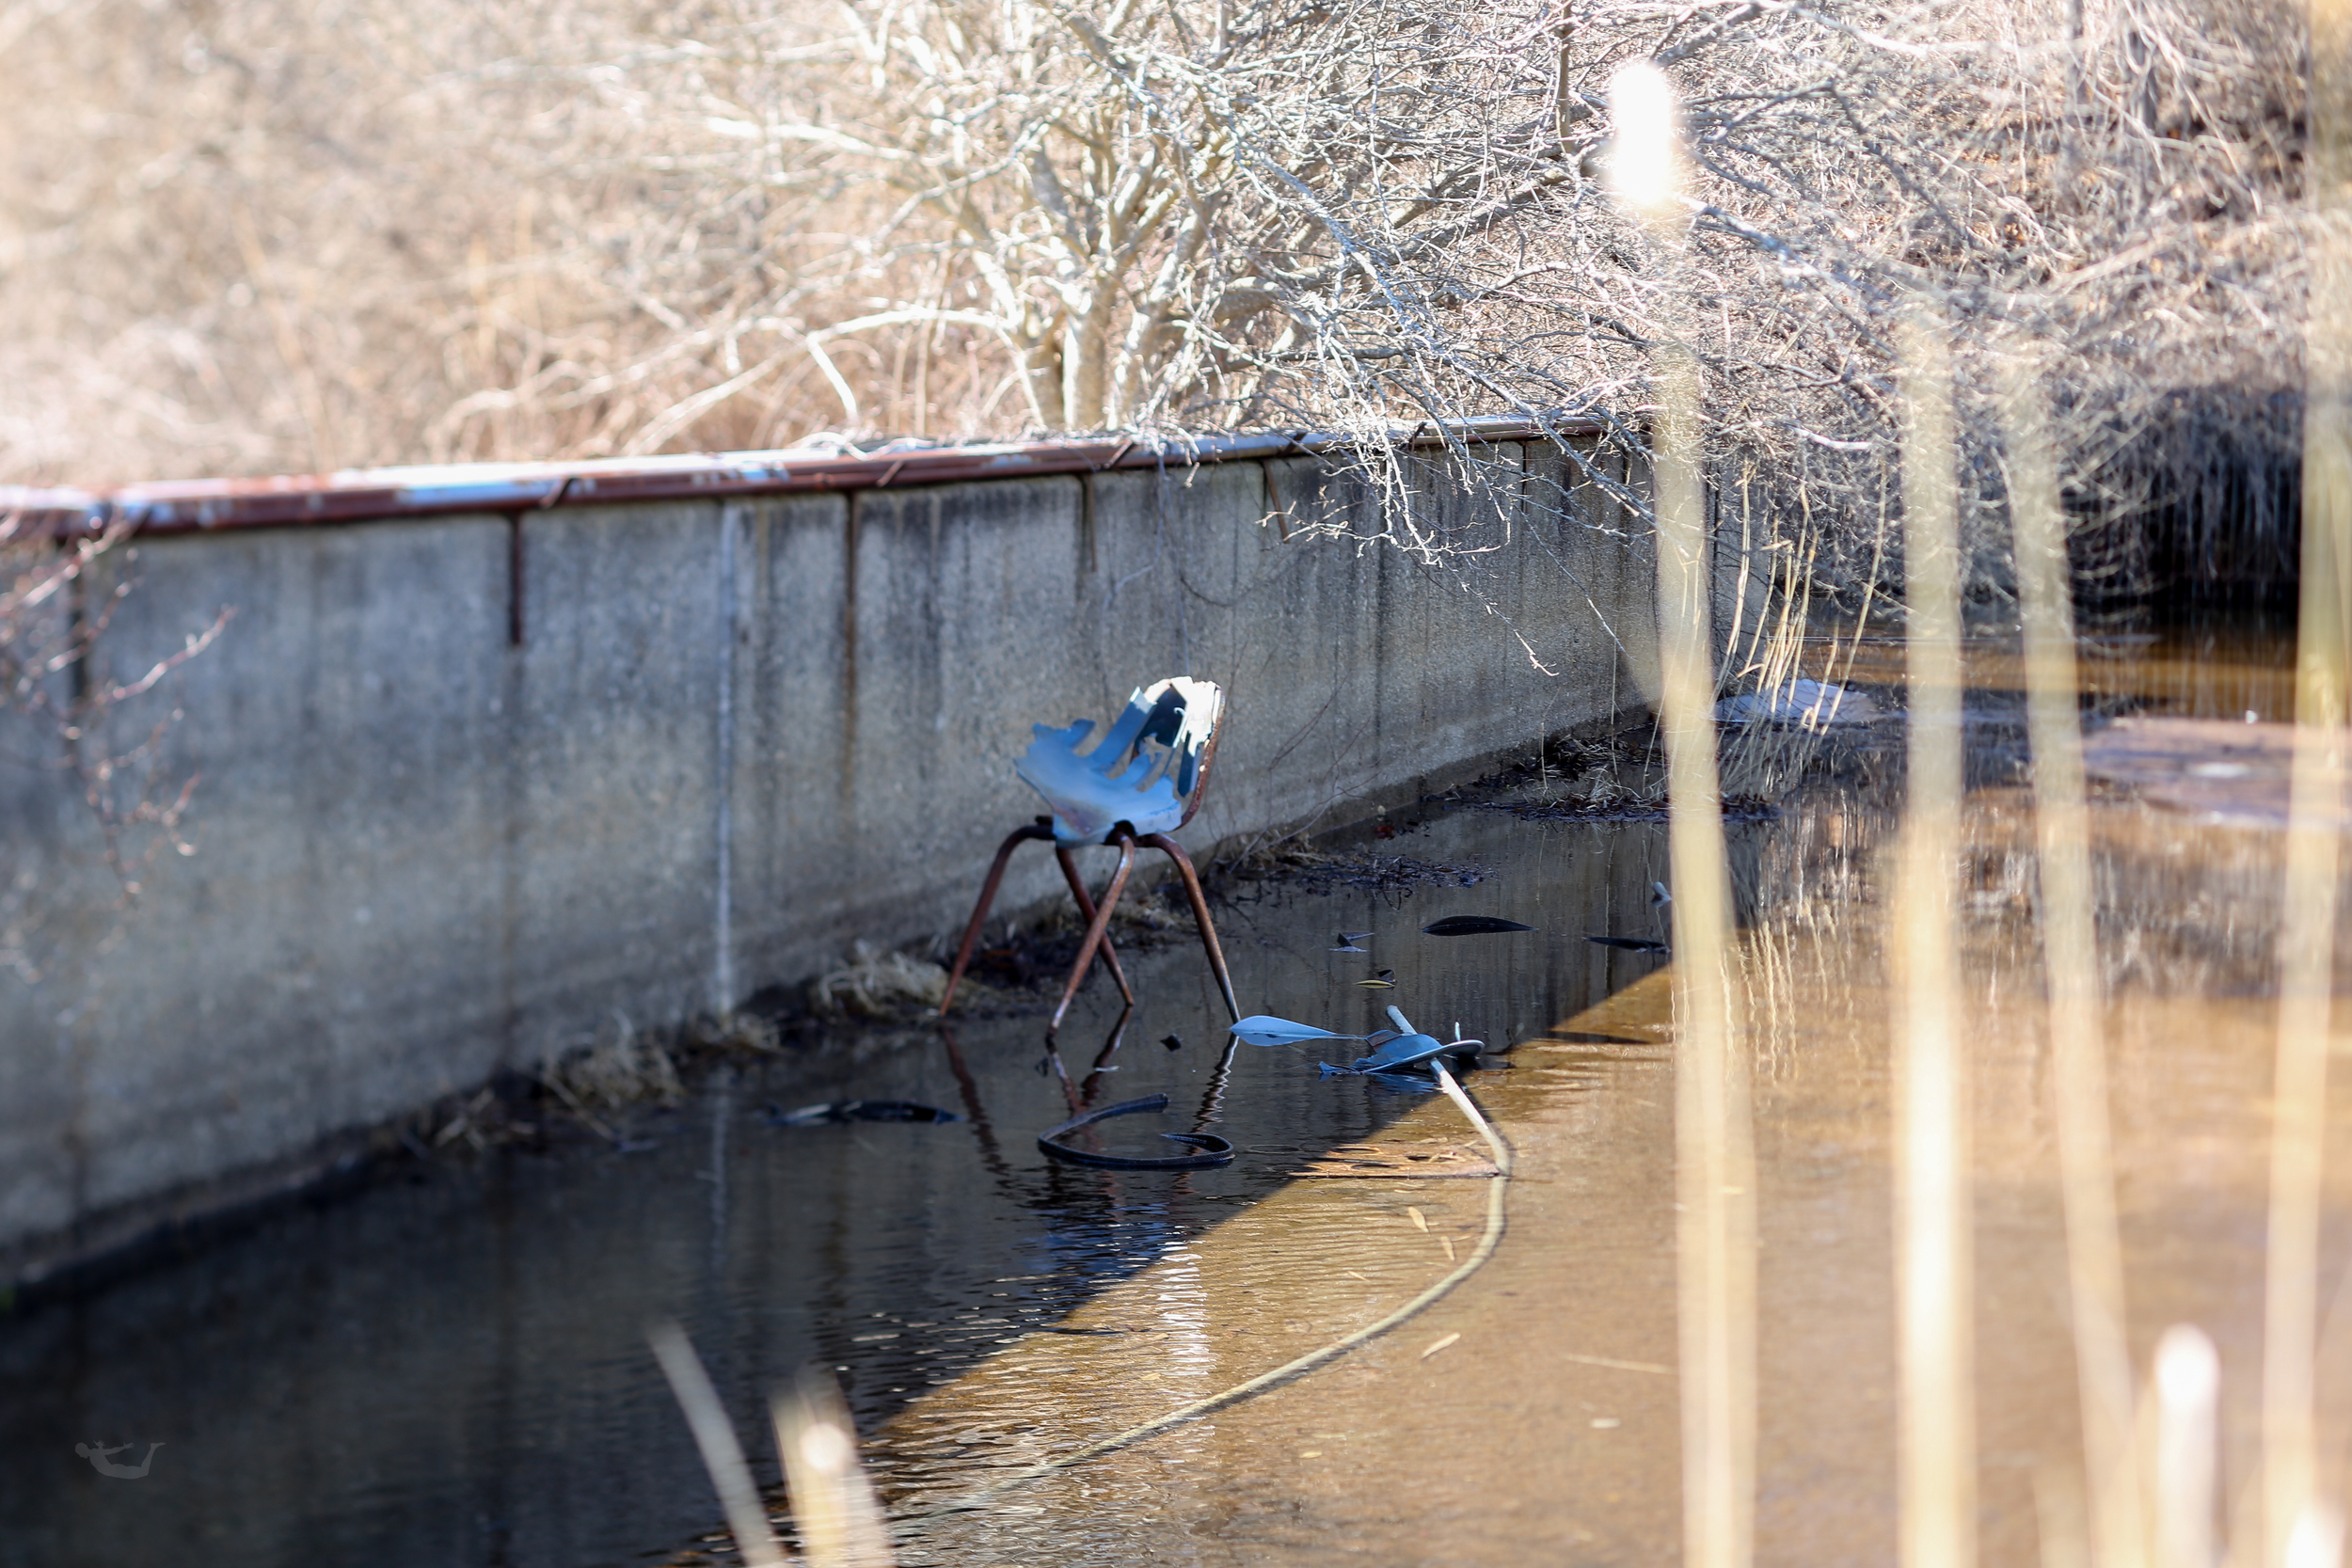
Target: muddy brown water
(453,1370)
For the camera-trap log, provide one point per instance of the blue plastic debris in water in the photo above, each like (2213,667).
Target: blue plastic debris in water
(1263,1029)
(1401,1052)
(1121,780)
(1404,1051)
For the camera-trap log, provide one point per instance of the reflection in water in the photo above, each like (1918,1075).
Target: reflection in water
(453,1371)
(450,1367)
(1546,1426)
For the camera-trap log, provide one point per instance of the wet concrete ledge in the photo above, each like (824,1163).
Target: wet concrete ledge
(471,784)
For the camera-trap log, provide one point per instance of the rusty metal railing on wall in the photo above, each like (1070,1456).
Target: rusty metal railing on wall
(371,494)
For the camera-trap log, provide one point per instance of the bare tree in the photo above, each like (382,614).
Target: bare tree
(587,227)
(66,716)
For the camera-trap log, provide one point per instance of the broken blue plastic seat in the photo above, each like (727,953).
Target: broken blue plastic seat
(1147,771)
(1143,780)
(1403,1053)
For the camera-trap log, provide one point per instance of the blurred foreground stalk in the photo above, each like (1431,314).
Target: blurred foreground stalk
(1934,1264)
(2308,940)
(714,1434)
(1715,1163)
(1715,1159)
(2076,1019)
(832,1501)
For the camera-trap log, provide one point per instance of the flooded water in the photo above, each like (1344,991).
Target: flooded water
(452,1368)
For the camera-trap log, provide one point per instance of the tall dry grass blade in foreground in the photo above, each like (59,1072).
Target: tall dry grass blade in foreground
(2187,1387)
(2317,1539)
(840,1522)
(2307,956)
(714,1434)
(1934,1212)
(2076,1022)
(1714,1175)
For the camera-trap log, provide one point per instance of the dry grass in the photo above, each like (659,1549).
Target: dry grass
(620,1067)
(877,984)
(253,236)
(256,236)
(261,236)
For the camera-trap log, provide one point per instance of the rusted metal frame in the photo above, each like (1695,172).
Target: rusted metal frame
(1086,913)
(517,558)
(1174,851)
(1274,499)
(1041,829)
(515,562)
(1298,448)
(1079,1092)
(1086,498)
(1213,1098)
(974,1112)
(206,505)
(1096,927)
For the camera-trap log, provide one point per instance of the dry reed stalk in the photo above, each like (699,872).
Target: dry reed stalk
(2306,938)
(1934,1210)
(1714,1163)
(714,1434)
(2317,1539)
(2188,1385)
(2076,1022)
(840,1522)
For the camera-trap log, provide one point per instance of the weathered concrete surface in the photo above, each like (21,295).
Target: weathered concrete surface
(732,737)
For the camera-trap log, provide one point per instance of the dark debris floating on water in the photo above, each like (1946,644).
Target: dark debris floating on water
(858,1110)
(1210,1149)
(1471,925)
(1633,945)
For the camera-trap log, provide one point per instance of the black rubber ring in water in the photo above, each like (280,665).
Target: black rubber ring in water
(1214,1150)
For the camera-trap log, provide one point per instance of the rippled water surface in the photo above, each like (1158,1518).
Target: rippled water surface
(450,1368)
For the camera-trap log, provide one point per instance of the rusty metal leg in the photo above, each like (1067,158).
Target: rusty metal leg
(1100,924)
(976,1113)
(1086,913)
(1169,848)
(1110,1048)
(1211,1101)
(988,896)
(1068,1085)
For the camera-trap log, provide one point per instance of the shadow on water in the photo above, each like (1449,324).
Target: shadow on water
(450,1367)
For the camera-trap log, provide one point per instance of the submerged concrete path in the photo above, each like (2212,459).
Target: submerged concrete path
(1531,1414)
(1533,1407)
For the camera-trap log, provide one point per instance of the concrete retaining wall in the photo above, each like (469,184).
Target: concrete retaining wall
(732,737)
